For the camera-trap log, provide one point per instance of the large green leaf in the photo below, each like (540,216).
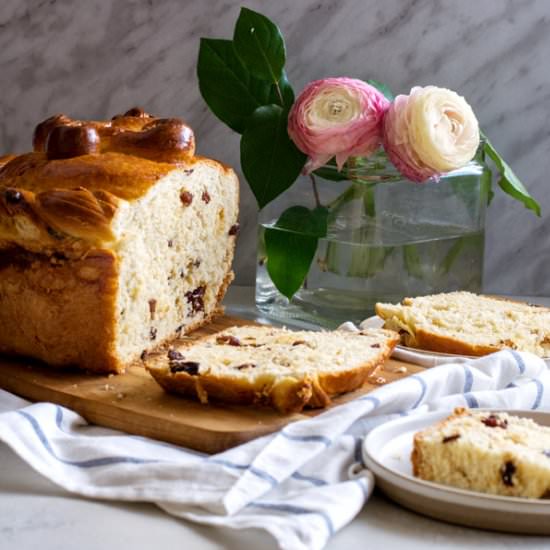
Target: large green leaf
(270,161)
(508,181)
(291,245)
(226,85)
(260,44)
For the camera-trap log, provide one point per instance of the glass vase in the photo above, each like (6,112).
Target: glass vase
(387,238)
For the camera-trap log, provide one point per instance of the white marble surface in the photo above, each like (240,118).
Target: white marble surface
(93,58)
(35,514)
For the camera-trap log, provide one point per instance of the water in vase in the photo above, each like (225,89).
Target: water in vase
(354,268)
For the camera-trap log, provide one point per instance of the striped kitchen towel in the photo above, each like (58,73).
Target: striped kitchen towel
(295,484)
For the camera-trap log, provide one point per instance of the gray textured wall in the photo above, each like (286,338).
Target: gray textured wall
(93,58)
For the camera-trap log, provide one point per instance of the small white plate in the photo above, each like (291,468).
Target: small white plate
(387,451)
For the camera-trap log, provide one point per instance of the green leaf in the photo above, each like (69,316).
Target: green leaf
(381,87)
(260,45)
(286,91)
(291,245)
(270,161)
(307,222)
(508,181)
(226,85)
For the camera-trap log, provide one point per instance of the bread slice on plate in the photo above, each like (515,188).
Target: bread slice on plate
(468,324)
(489,452)
(114,238)
(272,366)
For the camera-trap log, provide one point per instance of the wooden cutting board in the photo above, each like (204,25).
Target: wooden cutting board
(135,404)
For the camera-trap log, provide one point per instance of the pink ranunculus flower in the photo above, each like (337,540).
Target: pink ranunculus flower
(430,131)
(337,117)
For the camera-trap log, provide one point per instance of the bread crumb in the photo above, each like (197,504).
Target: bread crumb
(120,395)
(380,380)
(401,369)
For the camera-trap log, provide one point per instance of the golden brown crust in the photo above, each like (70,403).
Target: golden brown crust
(68,205)
(64,195)
(123,176)
(64,220)
(5,159)
(287,395)
(63,311)
(290,395)
(416,456)
(59,311)
(430,341)
(133,133)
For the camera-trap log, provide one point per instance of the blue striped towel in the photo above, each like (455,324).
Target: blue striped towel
(294,484)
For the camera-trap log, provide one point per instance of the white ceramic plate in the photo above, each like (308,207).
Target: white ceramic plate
(387,451)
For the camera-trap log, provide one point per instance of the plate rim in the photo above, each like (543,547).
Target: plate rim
(449,491)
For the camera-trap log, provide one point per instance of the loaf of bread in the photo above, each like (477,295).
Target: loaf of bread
(114,239)
(488,452)
(468,324)
(272,366)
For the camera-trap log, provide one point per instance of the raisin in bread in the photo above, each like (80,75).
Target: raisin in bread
(488,452)
(114,238)
(277,367)
(468,324)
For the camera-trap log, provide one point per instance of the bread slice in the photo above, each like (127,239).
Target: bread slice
(488,452)
(468,324)
(273,366)
(114,239)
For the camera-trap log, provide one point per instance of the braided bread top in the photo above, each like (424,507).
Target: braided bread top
(64,195)
(133,133)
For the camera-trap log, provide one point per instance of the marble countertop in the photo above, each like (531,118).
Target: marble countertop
(34,513)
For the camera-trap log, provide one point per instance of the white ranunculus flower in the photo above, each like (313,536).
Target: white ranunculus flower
(430,131)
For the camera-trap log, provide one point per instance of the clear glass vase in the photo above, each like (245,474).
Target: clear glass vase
(387,238)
